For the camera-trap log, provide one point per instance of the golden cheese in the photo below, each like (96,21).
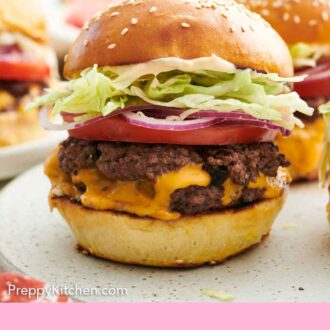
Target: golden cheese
(6,99)
(145,198)
(104,194)
(273,187)
(304,148)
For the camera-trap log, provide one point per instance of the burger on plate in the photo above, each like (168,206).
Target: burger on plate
(305,26)
(26,64)
(172,108)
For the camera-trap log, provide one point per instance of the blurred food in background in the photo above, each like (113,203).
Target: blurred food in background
(66,18)
(79,11)
(27,65)
(305,26)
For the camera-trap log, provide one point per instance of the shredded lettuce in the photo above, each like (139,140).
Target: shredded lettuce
(104,90)
(304,54)
(217,294)
(325,163)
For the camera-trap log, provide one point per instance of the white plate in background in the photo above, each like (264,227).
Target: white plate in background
(18,158)
(291,265)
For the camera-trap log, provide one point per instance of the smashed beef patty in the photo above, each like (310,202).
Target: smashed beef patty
(133,162)
(16,91)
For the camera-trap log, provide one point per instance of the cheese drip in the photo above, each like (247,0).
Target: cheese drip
(147,198)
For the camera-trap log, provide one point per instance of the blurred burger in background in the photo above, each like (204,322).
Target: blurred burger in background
(26,67)
(305,26)
(80,11)
(172,108)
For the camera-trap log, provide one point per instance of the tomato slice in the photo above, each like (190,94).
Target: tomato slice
(118,129)
(17,67)
(317,84)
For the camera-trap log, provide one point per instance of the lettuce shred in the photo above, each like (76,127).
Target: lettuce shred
(217,294)
(100,91)
(307,55)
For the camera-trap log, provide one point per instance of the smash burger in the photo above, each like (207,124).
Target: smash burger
(25,69)
(172,108)
(305,26)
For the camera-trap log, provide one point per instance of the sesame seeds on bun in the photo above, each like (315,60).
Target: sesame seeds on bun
(137,31)
(296,20)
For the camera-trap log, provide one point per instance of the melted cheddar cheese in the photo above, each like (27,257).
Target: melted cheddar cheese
(6,99)
(304,149)
(146,198)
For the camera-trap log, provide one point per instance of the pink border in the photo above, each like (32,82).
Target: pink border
(165,316)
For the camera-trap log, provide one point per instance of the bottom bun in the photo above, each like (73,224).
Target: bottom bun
(304,150)
(190,241)
(18,127)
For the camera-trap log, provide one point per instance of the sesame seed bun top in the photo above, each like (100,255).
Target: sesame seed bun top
(296,20)
(137,31)
(25,17)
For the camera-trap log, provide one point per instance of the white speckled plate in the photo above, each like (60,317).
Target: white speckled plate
(293,264)
(18,158)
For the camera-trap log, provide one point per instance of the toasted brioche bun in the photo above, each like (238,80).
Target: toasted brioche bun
(136,33)
(296,21)
(25,17)
(18,127)
(303,148)
(190,241)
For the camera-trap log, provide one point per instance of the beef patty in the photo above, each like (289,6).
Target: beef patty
(134,162)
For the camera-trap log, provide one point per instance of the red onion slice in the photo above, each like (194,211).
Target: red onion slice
(10,49)
(194,124)
(155,119)
(138,119)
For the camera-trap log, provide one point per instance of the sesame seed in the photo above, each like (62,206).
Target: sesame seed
(85,42)
(115,13)
(86,25)
(124,31)
(185,25)
(134,21)
(65,57)
(98,16)
(286,17)
(296,19)
(312,22)
(152,9)
(265,12)
(325,16)
(111,46)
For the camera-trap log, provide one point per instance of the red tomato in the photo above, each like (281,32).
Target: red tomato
(317,84)
(20,69)
(118,129)
(11,285)
(19,288)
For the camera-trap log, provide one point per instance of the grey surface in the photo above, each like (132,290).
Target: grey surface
(3,264)
(293,264)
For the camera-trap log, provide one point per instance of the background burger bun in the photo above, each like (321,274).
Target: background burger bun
(136,32)
(25,17)
(190,241)
(296,21)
